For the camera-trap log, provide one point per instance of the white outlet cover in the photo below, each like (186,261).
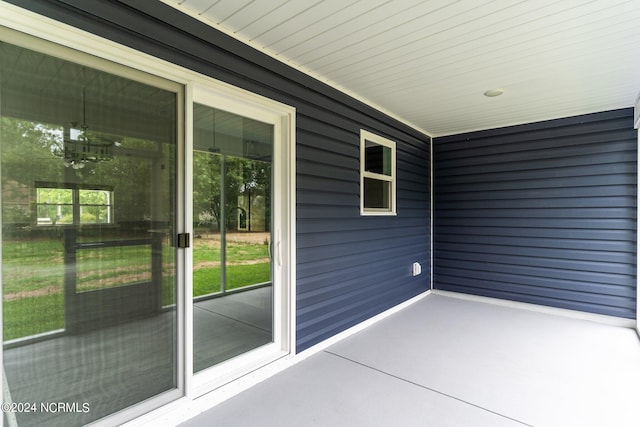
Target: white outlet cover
(417,268)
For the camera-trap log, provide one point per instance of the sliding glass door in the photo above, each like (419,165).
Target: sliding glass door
(232,269)
(241,221)
(88,168)
(147,234)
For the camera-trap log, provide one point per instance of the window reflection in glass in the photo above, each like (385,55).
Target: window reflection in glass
(232,193)
(88,162)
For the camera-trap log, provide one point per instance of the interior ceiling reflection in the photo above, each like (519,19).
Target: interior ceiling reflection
(219,131)
(40,88)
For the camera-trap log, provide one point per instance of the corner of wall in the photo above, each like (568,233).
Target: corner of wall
(636,113)
(432,205)
(636,125)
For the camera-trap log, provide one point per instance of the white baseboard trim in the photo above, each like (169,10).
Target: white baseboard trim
(185,408)
(359,327)
(573,314)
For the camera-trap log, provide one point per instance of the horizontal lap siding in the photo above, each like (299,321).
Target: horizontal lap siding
(543,213)
(352,267)
(349,267)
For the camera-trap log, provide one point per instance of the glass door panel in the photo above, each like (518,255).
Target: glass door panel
(88,168)
(232,263)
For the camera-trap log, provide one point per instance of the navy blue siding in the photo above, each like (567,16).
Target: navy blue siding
(349,267)
(542,213)
(352,267)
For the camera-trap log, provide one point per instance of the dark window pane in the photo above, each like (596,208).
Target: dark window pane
(377,158)
(377,194)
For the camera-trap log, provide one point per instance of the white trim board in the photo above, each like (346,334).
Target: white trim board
(431,214)
(563,312)
(304,70)
(186,408)
(359,327)
(637,124)
(183,409)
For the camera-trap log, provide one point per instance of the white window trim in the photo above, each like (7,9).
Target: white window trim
(368,136)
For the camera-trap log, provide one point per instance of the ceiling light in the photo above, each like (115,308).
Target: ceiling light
(494,92)
(79,148)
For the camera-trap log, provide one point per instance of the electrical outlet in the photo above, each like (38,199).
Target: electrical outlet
(417,269)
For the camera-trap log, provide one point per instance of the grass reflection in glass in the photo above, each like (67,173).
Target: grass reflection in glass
(33,276)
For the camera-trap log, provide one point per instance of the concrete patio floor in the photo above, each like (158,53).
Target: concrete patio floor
(447,361)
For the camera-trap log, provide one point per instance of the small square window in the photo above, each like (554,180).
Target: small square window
(61,204)
(377,175)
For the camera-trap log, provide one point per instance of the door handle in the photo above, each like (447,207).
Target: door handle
(279,252)
(278,248)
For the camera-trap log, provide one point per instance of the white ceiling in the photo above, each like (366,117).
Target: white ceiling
(428,62)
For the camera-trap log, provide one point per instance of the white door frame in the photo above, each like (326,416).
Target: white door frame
(32,24)
(281,117)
